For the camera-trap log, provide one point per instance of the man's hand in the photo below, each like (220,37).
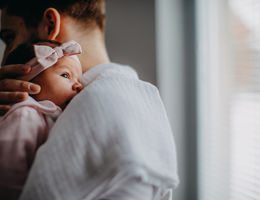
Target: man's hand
(14,91)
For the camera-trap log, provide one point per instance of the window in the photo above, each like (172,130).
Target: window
(228,41)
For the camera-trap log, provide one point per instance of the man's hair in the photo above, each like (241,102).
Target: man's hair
(25,52)
(86,11)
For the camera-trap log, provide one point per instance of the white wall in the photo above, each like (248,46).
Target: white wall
(130,35)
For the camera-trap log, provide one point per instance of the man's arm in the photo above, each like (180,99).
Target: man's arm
(14,91)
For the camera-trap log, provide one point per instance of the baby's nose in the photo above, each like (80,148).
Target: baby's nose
(77,87)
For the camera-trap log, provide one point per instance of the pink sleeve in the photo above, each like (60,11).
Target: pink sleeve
(22,131)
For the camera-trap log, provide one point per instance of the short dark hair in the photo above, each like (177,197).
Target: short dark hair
(25,52)
(87,11)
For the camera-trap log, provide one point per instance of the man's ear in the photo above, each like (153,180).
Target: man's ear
(50,24)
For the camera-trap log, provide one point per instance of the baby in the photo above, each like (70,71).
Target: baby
(56,68)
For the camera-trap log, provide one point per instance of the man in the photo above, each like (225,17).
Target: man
(113,141)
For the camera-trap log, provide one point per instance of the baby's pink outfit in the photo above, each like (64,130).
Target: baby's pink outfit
(22,131)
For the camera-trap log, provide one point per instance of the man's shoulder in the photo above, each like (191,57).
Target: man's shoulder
(108,71)
(119,86)
(115,93)
(114,77)
(115,89)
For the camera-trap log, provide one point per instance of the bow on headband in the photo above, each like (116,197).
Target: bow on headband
(46,56)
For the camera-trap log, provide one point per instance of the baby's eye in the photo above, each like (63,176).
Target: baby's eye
(65,75)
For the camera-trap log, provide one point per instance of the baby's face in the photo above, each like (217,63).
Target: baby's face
(61,82)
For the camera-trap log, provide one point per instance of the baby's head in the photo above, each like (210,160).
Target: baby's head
(55,67)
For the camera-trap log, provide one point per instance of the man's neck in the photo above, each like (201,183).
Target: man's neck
(93,50)
(92,43)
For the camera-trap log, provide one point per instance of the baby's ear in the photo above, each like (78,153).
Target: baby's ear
(49,27)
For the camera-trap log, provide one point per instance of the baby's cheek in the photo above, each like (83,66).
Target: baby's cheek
(41,96)
(41,80)
(63,98)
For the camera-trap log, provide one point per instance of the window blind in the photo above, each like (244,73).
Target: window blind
(245,110)
(228,41)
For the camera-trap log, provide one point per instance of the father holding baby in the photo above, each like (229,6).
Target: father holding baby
(113,141)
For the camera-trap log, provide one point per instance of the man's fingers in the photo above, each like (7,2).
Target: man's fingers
(12,97)
(19,85)
(4,109)
(8,71)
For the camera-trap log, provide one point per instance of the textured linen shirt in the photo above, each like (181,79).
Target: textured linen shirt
(113,141)
(22,130)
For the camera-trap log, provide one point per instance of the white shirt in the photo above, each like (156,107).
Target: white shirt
(115,131)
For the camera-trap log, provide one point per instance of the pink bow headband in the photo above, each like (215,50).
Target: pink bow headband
(46,56)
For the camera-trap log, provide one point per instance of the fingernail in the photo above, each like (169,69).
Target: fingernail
(7,108)
(34,88)
(26,68)
(20,96)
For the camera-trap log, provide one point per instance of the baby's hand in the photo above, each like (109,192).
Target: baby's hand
(12,90)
